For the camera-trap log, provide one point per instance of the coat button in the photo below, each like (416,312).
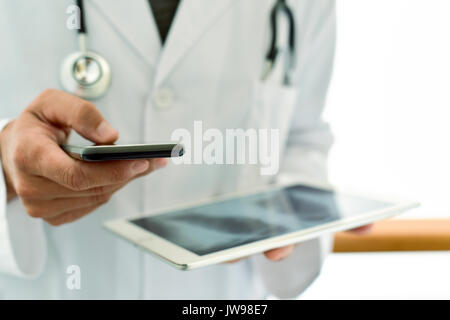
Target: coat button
(164,98)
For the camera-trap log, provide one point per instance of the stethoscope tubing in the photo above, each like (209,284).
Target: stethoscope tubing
(272,53)
(82,29)
(99,87)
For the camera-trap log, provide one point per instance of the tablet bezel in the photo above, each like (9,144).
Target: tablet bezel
(184,259)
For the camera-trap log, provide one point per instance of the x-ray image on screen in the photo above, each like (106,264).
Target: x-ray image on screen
(226,224)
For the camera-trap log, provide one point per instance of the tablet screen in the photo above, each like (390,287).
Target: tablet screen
(222,225)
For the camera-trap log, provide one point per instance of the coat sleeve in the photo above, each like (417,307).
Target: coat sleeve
(308,143)
(22,241)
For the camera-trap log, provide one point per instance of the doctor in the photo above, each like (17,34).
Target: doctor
(207,66)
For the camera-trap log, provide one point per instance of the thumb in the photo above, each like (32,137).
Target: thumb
(65,110)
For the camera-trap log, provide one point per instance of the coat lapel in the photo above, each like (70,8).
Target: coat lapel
(134,21)
(193,18)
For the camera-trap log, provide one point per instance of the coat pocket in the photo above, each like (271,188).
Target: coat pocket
(272,108)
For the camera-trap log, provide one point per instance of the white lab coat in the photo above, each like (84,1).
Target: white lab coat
(208,70)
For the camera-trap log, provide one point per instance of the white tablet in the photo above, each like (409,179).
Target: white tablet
(237,226)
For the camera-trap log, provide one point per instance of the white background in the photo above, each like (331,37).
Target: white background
(389,106)
(389,101)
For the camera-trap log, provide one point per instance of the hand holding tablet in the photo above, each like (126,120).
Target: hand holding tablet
(235,227)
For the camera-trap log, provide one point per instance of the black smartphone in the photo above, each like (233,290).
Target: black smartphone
(124,152)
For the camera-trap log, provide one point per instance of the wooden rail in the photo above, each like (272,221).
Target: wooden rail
(398,235)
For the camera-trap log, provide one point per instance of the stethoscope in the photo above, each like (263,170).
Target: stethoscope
(272,53)
(88,75)
(85,73)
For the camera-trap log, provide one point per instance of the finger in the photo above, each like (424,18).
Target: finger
(90,175)
(54,208)
(70,216)
(234,261)
(155,164)
(362,230)
(279,253)
(61,192)
(39,188)
(49,210)
(84,176)
(79,175)
(65,110)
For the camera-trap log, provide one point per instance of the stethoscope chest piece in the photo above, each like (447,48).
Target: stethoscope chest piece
(85,74)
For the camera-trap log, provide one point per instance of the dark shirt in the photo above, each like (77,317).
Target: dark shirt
(164,12)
